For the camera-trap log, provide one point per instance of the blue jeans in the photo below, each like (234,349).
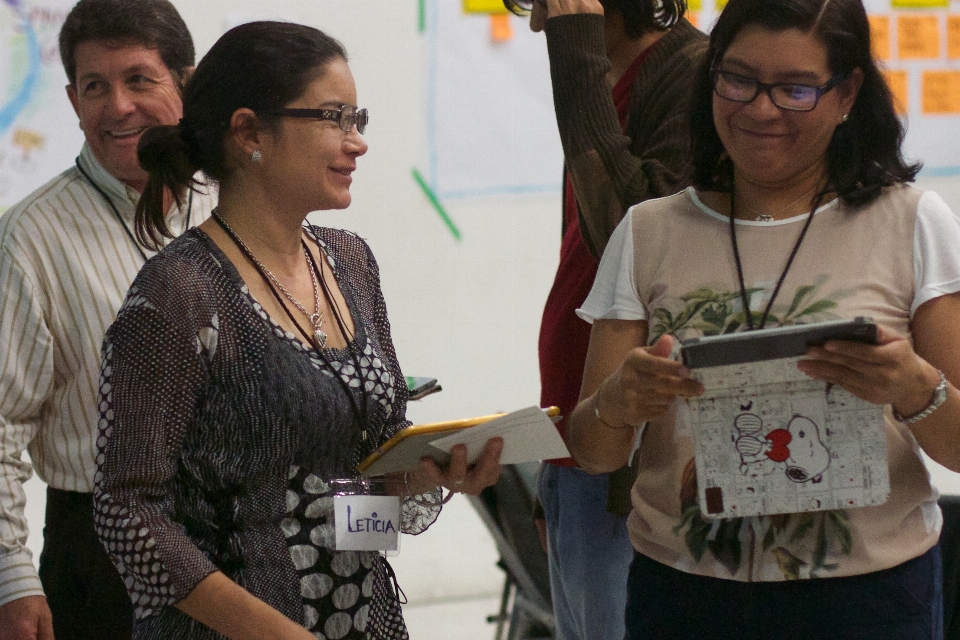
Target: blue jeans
(589,552)
(901,603)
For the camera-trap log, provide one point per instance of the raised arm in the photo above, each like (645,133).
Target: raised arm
(613,170)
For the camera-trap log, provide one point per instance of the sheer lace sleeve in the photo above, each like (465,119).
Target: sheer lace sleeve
(421,511)
(417,512)
(153,377)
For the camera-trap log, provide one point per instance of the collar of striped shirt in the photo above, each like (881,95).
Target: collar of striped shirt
(124,197)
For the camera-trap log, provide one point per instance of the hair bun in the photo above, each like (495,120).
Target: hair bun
(162,149)
(162,153)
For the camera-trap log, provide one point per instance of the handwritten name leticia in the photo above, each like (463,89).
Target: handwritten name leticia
(366,525)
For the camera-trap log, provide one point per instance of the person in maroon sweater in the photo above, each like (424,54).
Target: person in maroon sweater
(621,147)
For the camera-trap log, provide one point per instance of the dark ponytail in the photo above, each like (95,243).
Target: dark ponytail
(165,156)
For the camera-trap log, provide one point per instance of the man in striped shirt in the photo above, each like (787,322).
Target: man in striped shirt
(67,258)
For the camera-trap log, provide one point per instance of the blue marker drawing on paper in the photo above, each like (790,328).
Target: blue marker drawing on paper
(23,96)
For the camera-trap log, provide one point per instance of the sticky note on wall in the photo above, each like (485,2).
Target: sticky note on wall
(880,36)
(501,29)
(920,4)
(484,6)
(953,37)
(897,81)
(918,36)
(940,92)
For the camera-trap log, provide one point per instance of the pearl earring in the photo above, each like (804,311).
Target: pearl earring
(845,117)
(257,156)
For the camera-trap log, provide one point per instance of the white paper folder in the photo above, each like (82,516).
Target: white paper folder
(528,434)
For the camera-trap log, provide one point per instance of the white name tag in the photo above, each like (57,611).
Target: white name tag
(367,523)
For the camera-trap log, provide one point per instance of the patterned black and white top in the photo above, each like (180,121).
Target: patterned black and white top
(219,431)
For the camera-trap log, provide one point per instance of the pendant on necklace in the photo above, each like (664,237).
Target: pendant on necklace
(319,334)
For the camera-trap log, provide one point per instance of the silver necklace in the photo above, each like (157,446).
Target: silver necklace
(315,318)
(764,217)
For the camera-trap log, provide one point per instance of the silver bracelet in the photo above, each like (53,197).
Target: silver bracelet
(939,397)
(596,413)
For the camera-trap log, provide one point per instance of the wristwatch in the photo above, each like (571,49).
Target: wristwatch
(939,397)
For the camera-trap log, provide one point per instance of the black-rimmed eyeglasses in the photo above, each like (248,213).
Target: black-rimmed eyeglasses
(786,95)
(347,117)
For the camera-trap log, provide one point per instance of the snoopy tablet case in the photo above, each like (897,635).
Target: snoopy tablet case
(769,439)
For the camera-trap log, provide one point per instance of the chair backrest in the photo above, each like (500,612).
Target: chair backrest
(950,549)
(507,510)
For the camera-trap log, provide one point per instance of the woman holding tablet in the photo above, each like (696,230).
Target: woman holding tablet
(800,212)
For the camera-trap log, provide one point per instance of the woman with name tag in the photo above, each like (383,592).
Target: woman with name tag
(251,369)
(800,212)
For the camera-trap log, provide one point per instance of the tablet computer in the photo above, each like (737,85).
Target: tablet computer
(773,344)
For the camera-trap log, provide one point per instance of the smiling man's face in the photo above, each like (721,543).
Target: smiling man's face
(121,90)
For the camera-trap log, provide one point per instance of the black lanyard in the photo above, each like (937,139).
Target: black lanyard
(783,274)
(359,409)
(116,211)
(351,339)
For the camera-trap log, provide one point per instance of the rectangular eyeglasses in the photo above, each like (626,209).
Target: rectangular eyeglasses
(346,116)
(786,95)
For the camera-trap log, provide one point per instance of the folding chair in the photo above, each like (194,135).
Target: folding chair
(506,509)
(950,548)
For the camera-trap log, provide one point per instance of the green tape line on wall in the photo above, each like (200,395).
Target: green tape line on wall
(422,16)
(432,197)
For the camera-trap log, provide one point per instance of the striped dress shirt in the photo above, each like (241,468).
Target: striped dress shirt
(66,263)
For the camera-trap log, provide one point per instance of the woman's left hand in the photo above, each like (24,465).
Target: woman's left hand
(460,477)
(889,372)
